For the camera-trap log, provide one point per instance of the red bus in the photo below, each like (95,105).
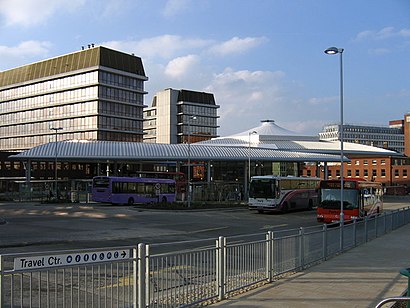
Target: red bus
(360,198)
(130,190)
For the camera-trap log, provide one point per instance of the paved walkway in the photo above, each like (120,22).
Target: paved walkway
(360,277)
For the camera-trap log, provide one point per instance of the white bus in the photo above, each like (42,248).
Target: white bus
(282,194)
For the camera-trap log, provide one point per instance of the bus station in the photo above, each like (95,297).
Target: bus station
(219,169)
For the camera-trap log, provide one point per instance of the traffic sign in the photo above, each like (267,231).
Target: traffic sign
(42,262)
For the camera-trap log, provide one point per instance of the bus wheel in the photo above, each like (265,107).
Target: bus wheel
(260,211)
(131,201)
(164,200)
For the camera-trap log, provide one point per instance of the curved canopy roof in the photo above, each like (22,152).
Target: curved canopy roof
(271,136)
(131,151)
(267,142)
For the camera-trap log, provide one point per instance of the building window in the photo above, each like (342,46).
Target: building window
(357,173)
(405,173)
(337,173)
(396,173)
(374,162)
(366,173)
(309,172)
(383,161)
(349,173)
(383,173)
(365,162)
(357,162)
(374,173)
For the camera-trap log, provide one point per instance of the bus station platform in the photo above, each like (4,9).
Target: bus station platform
(360,277)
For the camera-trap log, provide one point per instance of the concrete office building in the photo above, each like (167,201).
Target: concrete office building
(178,115)
(391,137)
(93,94)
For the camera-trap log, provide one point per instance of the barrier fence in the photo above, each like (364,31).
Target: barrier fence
(136,277)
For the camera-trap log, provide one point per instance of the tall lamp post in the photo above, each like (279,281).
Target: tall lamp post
(249,154)
(189,158)
(55,129)
(333,51)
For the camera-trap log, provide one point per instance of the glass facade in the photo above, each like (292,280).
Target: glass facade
(95,103)
(383,137)
(169,119)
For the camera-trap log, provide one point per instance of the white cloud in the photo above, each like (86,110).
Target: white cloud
(323,100)
(164,46)
(175,7)
(29,12)
(182,66)
(24,52)
(385,33)
(246,97)
(379,51)
(237,45)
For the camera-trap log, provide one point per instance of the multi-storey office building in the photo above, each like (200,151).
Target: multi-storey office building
(378,136)
(92,94)
(178,115)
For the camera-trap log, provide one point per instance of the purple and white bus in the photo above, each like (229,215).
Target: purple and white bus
(132,190)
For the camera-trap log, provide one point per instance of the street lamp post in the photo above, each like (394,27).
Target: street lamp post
(249,154)
(333,51)
(55,129)
(189,159)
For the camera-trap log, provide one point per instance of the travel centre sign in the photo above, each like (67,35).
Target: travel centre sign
(69,259)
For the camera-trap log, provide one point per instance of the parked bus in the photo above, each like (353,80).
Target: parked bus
(179,177)
(130,190)
(360,198)
(282,194)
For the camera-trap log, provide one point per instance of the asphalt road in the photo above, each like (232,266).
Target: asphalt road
(39,227)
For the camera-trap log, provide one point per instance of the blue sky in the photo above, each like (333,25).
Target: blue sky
(262,59)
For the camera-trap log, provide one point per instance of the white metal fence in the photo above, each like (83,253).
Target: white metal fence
(193,276)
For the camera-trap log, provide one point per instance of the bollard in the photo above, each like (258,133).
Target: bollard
(406,272)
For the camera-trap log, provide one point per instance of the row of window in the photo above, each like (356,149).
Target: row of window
(22,143)
(203,110)
(50,86)
(113,136)
(68,124)
(198,121)
(142,188)
(119,124)
(47,114)
(122,95)
(43,101)
(366,173)
(354,137)
(111,108)
(362,129)
(121,81)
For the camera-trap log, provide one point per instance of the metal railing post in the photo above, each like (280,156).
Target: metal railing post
(366,218)
(135,275)
(324,248)
(354,232)
(385,223)
(376,224)
(1,282)
(302,247)
(141,276)
(221,266)
(147,276)
(269,256)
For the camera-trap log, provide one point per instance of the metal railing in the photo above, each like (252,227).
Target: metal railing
(133,276)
